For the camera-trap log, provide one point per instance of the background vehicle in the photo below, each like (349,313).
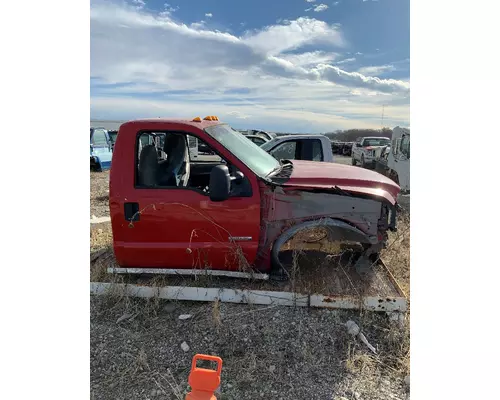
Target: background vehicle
(258,140)
(300,147)
(238,211)
(258,132)
(363,150)
(347,149)
(395,159)
(101,149)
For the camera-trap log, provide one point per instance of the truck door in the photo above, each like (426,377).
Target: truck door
(173,223)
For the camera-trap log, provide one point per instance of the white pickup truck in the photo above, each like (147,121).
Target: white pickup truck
(365,148)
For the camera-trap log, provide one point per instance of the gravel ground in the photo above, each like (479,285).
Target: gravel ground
(99,194)
(342,159)
(267,352)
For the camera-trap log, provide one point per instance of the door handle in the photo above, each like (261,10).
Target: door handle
(131,212)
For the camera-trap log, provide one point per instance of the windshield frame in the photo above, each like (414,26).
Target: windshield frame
(260,162)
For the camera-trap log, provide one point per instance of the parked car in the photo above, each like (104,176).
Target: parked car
(101,149)
(236,212)
(365,148)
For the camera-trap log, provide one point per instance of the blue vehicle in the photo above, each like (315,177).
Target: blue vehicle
(101,149)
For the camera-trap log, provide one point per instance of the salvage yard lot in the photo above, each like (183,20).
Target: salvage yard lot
(268,352)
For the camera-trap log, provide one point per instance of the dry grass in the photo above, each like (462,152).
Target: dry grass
(397,254)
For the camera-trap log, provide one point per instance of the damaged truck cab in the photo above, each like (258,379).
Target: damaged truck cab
(235,211)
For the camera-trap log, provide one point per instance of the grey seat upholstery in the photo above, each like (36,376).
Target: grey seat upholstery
(174,171)
(148,166)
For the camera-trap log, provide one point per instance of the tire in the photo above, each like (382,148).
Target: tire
(363,164)
(353,160)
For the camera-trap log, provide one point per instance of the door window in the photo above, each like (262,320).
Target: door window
(317,151)
(285,151)
(405,145)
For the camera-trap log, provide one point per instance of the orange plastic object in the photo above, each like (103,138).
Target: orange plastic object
(203,381)
(197,119)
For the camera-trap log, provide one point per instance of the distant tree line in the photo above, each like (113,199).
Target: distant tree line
(351,135)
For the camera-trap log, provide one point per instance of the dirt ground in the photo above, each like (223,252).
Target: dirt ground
(99,194)
(268,352)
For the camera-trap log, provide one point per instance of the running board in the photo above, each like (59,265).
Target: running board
(191,272)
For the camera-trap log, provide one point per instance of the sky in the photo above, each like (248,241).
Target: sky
(278,65)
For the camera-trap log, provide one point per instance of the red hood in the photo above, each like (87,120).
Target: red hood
(312,174)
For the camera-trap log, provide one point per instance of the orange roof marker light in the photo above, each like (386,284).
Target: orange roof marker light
(211,118)
(197,119)
(204,382)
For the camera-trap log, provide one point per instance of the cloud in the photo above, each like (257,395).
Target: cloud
(321,7)
(309,58)
(346,61)
(336,3)
(198,25)
(144,63)
(293,34)
(168,10)
(310,1)
(208,15)
(376,70)
(139,4)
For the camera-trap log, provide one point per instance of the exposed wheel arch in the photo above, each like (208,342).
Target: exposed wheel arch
(338,230)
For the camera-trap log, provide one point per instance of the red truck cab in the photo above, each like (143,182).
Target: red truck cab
(232,211)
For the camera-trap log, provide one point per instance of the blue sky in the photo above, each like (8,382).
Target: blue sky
(295,65)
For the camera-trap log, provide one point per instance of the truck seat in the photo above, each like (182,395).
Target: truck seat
(174,171)
(148,166)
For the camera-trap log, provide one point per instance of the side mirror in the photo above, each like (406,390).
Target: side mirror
(220,183)
(358,144)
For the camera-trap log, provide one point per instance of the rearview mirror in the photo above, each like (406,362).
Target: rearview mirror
(220,183)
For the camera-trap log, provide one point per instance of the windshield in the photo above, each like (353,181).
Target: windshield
(376,142)
(260,162)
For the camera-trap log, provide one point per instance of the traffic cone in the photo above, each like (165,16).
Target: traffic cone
(203,381)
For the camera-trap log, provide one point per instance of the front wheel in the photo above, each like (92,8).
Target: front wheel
(363,161)
(353,160)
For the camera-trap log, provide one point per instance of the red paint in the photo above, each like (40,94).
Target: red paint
(175,228)
(349,178)
(182,228)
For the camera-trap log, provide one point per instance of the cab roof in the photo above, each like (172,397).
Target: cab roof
(162,121)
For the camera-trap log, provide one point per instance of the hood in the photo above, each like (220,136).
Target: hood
(322,175)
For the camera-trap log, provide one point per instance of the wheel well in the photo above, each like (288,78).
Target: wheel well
(335,231)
